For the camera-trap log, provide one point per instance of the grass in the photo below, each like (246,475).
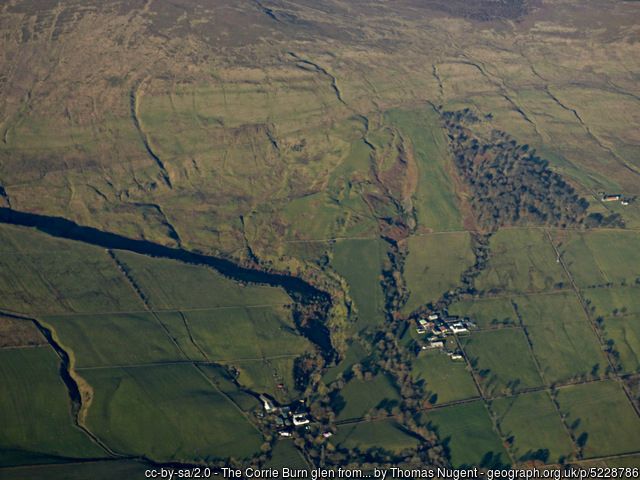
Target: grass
(168,284)
(435,199)
(355,353)
(35,411)
(286,455)
(115,339)
(486,312)
(602,419)
(434,266)
(563,341)
(229,334)
(445,380)
(502,360)
(607,302)
(267,375)
(385,434)
(360,263)
(534,427)
(358,397)
(601,257)
(467,434)
(167,413)
(46,275)
(521,260)
(624,332)
(99,470)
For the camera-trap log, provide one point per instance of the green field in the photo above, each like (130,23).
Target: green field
(42,274)
(502,360)
(602,419)
(468,435)
(266,376)
(115,339)
(602,257)
(35,411)
(563,340)
(386,434)
(434,266)
(625,334)
(360,263)
(606,302)
(445,380)
(358,397)
(228,334)
(285,454)
(534,427)
(168,413)
(99,470)
(169,284)
(435,199)
(521,260)
(486,312)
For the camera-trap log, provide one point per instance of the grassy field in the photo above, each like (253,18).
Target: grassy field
(35,411)
(435,199)
(486,312)
(168,413)
(115,339)
(100,470)
(601,417)
(522,260)
(444,379)
(358,397)
(534,427)
(468,435)
(607,302)
(228,334)
(434,266)
(267,376)
(385,434)
(502,360)
(601,257)
(360,263)
(169,284)
(563,340)
(42,274)
(285,454)
(625,334)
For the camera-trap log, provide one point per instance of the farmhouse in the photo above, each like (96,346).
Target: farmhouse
(611,197)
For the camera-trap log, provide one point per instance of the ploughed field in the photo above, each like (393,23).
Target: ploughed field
(397,224)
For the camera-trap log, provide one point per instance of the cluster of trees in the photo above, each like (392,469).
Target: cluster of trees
(510,184)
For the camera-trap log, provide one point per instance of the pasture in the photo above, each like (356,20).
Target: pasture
(46,275)
(624,332)
(467,433)
(245,333)
(434,266)
(445,380)
(358,397)
(521,260)
(486,312)
(35,414)
(169,284)
(502,360)
(168,413)
(115,339)
(435,199)
(563,340)
(360,263)
(601,257)
(601,417)
(615,301)
(385,434)
(533,427)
